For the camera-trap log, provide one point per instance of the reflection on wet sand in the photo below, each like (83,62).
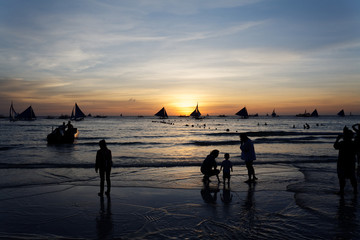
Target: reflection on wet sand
(209,194)
(248,211)
(346,215)
(226,195)
(104,221)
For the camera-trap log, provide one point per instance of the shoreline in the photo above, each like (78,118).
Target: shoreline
(283,198)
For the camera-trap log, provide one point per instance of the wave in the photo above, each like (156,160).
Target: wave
(166,163)
(301,140)
(120,143)
(213,143)
(9,147)
(274,134)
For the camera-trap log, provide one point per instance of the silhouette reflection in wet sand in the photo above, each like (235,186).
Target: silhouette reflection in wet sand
(104,222)
(209,194)
(346,215)
(248,209)
(226,196)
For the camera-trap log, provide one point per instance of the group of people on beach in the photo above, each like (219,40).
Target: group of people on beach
(346,143)
(103,164)
(209,165)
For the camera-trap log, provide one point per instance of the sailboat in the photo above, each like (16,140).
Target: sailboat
(341,113)
(162,113)
(77,114)
(12,113)
(314,113)
(243,113)
(196,113)
(274,114)
(305,114)
(27,115)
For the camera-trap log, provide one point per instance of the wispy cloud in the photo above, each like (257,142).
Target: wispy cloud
(113,52)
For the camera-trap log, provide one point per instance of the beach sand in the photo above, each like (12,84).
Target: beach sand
(174,207)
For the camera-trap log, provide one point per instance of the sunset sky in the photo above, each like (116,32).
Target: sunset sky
(136,56)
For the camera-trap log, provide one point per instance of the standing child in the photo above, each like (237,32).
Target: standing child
(226,165)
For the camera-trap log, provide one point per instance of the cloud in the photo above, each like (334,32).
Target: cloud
(148,51)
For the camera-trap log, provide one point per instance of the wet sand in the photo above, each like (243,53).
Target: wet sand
(267,209)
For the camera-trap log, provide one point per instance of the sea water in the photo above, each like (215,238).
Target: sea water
(148,152)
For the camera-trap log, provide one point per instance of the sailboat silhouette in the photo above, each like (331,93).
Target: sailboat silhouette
(77,114)
(162,113)
(196,113)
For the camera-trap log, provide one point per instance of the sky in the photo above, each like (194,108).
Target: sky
(133,57)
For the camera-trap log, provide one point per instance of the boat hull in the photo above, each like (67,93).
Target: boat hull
(57,138)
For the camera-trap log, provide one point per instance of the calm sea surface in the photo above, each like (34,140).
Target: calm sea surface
(147,142)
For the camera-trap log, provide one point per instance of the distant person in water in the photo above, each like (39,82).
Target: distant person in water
(209,166)
(103,165)
(346,159)
(356,128)
(226,167)
(248,155)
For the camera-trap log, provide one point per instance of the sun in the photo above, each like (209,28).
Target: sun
(184,105)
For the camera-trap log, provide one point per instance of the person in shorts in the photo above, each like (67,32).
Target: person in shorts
(226,167)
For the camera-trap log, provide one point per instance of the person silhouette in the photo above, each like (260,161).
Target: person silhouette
(248,155)
(69,126)
(209,166)
(226,166)
(103,164)
(356,128)
(346,160)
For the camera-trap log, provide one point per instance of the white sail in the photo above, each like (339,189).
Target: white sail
(12,113)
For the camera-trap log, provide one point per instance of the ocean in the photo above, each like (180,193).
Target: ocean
(154,153)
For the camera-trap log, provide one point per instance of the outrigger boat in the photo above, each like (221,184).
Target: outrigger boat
(196,113)
(27,115)
(60,135)
(77,114)
(243,113)
(162,114)
(341,113)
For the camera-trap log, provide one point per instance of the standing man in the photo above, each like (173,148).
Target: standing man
(248,155)
(346,160)
(104,164)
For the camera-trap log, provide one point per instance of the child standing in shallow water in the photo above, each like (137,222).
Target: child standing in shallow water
(226,166)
